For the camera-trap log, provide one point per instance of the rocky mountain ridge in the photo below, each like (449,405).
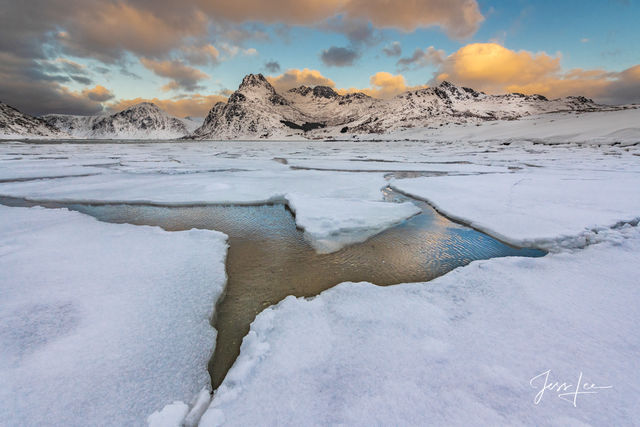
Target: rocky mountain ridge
(257,111)
(141,121)
(15,124)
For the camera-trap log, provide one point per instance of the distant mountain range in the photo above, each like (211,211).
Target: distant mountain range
(141,121)
(257,111)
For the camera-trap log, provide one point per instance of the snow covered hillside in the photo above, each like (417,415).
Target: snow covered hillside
(257,111)
(14,124)
(141,121)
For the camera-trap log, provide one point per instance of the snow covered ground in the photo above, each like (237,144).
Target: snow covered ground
(100,324)
(461,349)
(610,127)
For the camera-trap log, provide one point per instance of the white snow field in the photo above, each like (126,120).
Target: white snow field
(459,350)
(101,324)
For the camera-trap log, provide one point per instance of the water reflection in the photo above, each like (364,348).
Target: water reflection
(269,259)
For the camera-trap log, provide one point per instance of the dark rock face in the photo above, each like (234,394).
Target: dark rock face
(302,90)
(304,127)
(324,92)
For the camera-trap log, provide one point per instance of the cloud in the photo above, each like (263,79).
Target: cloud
(339,56)
(233,50)
(384,85)
(194,105)
(393,49)
(422,58)
(106,30)
(358,31)
(201,55)
(98,94)
(295,78)
(272,66)
(494,68)
(25,84)
(182,76)
(458,18)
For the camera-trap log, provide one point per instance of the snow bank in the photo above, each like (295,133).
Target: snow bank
(603,127)
(330,224)
(460,350)
(544,208)
(102,324)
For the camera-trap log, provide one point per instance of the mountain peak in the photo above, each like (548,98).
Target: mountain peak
(253,80)
(144,106)
(324,92)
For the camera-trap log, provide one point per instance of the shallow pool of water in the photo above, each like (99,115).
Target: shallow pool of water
(268,258)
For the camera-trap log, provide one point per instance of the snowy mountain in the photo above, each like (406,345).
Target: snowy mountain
(257,111)
(141,121)
(14,124)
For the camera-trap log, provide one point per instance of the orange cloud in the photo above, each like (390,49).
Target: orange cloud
(107,29)
(196,105)
(201,55)
(384,85)
(295,78)
(102,29)
(490,64)
(493,68)
(459,18)
(183,76)
(98,94)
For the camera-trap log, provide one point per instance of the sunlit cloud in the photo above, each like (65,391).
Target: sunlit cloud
(98,94)
(295,78)
(384,85)
(182,76)
(201,55)
(493,68)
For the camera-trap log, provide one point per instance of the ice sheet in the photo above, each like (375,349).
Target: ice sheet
(102,324)
(542,207)
(329,224)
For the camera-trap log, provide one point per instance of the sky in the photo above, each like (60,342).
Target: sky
(100,56)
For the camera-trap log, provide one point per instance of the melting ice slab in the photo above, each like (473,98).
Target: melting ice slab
(545,208)
(330,224)
(102,324)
